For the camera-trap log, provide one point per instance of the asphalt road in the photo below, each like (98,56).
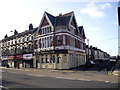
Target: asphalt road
(13,79)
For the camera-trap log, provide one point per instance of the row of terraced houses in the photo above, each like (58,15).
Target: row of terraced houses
(57,43)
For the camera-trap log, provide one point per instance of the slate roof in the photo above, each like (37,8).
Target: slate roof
(61,20)
(81,31)
(52,18)
(20,34)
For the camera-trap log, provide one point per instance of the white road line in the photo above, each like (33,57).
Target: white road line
(65,78)
(69,78)
(35,75)
(27,70)
(84,80)
(3,87)
(13,72)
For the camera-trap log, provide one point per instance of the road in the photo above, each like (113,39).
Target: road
(18,79)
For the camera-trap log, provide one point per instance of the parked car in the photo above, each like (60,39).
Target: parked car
(89,64)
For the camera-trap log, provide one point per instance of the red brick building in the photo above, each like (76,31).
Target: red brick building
(59,43)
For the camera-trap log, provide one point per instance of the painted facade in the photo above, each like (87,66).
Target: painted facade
(13,49)
(96,54)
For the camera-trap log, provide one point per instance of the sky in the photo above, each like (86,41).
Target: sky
(99,19)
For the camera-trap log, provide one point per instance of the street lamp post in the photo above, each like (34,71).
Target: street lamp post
(88,48)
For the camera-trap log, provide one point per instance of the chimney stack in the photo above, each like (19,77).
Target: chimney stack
(30,26)
(60,14)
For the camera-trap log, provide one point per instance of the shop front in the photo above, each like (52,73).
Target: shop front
(10,61)
(18,61)
(60,59)
(4,61)
(28,60)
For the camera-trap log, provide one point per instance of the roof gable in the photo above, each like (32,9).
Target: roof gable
(81,31)
(74,24)
(63,20)
(51,18)
(45,22)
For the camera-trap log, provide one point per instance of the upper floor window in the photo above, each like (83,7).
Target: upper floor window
(45,30)
(8,43)
(64,39)
(51,41)
(5,43)
(25,39)
(72,30)
(17,40)
(58,40)
(28,38)
(31,38)
(35,44)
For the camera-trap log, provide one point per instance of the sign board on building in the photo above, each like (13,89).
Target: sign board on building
(10,57)
(27,56)
(4,57)
(19,57)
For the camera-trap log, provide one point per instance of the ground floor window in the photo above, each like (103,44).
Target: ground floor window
(46,59)
(42,59)
(58,58)
(52,59)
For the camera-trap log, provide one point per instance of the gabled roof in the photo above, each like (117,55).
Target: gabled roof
(81,31)
(61,20)
(20,34)
(51,18)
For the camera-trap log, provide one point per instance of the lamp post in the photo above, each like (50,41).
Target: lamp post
(88,47)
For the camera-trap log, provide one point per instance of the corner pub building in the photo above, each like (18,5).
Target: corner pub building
(59,43)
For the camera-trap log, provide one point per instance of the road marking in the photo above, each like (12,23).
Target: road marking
(27,70)
(85,80)
(35,75)
(3,87)
(65,78)
(69,78)
(72,78)
(13,72)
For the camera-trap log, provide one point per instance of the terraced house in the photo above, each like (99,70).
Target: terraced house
(17,50)
(59,43)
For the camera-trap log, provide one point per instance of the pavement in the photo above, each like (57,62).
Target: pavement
(70,74)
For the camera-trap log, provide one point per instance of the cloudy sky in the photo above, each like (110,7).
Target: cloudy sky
(98,18)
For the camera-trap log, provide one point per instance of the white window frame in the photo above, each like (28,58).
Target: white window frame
(64,40)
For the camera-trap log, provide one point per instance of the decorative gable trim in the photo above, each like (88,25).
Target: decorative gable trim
(48,20)
(73,22)
(45,22)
